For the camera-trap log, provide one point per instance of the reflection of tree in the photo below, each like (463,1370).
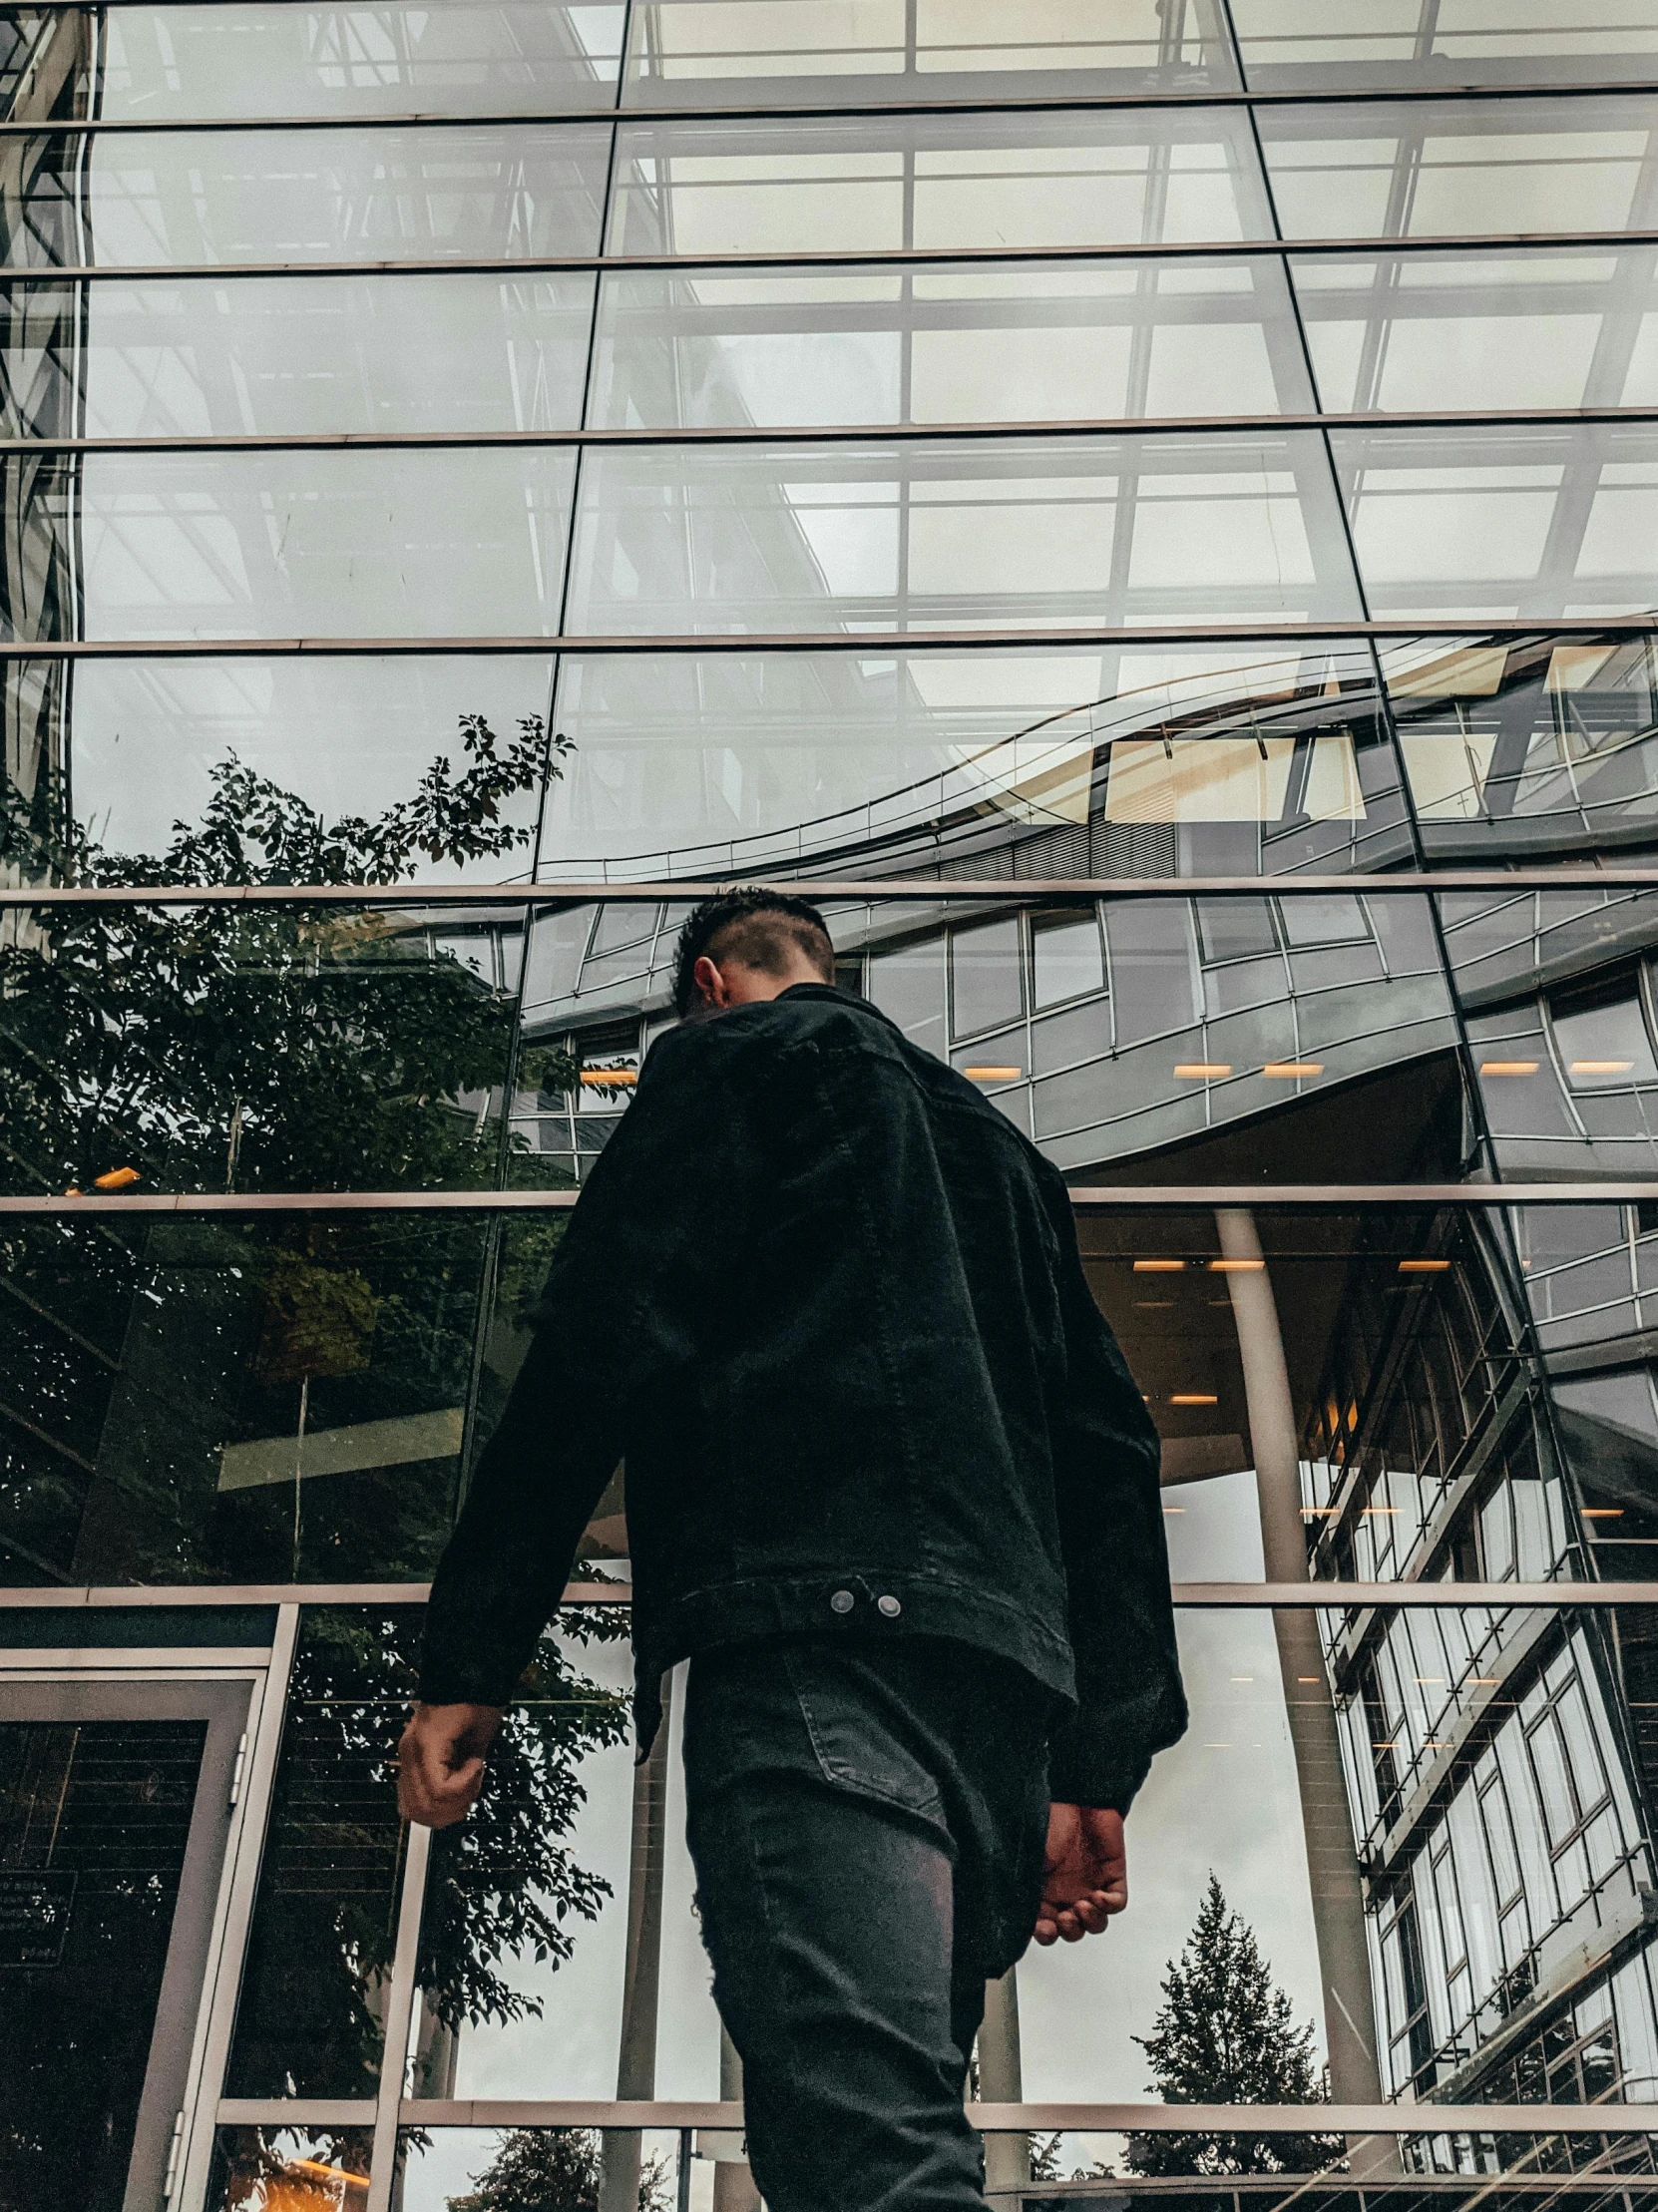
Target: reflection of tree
(1225,2034)
(503,1885)
(227,1046)
(542,2169)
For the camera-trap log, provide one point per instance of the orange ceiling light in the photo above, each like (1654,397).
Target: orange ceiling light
(1507,1067)
(1236,1266)
(1159,1266)
(1601,1067)
(118,1179)
(1285,1070)
(1423,1266)
(993,1075)
(1193,1398)
(609,1079)
(1203,1071)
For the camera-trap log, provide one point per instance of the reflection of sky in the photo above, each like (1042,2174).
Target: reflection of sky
(1225,1799)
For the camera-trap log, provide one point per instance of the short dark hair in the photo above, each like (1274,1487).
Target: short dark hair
(759,927)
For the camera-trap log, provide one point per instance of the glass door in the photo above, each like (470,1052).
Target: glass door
(115,1805)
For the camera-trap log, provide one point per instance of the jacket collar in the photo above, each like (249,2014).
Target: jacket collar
(838,997)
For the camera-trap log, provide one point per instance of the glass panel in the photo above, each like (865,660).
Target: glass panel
(444,2168)
(1426,331)
(524,1934)
(281,545)
(193,197)
(1122,761)
(312,2018)
(1526,747)
(281,356)
(1026,344)
(1552,987)
(745,50)
(869,186)
(454,57)
(190,1049)
(1068,957)
(1290,44)
(94,1820)
(196,1402)
(270,2169)
(145,745)
(1112,531)
(1448,167)
(1460,524)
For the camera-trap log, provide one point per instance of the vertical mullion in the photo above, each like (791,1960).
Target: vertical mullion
(394,2058)
(244,1855)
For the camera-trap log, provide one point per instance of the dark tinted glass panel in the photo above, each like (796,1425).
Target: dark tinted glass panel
(279,197)
(1123,761)
(314,1992)
(187,1402)
(94,1819)
(191,1048)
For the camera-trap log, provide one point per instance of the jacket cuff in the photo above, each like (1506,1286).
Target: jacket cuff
(1081,1773)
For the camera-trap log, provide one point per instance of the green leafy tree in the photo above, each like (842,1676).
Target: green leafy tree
(540,2169)
(1226,2034)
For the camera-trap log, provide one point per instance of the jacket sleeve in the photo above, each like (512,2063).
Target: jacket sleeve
(1130,1702)
(639,1244)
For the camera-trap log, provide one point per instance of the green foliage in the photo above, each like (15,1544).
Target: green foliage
(1225,2034)
(554,2170)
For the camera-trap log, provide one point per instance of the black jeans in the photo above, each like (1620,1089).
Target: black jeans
(866,1821)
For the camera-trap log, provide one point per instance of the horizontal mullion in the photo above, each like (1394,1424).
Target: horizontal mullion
(865,433)
(971,890)
(1090,1197)
(1176,98)
(785,259)
(1192,1597)
(1066,2118)
(884,643)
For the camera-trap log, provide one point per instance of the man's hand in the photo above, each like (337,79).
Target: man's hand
(1086,1880)
(440,1762)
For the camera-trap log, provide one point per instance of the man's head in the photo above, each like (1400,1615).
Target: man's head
(749,945)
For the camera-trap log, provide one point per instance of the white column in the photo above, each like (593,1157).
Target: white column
(734,2189)
(618,2188)
(1002,2081)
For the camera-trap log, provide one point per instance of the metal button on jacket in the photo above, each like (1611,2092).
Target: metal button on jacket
(890,1606)
(842,1602)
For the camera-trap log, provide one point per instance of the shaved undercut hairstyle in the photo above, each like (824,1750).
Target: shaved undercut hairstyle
(762,929)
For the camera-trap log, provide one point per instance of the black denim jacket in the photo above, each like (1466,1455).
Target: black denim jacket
(827,1303)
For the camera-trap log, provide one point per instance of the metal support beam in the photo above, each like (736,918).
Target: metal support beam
(619,2189)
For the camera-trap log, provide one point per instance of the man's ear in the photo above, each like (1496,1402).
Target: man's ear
(710,984)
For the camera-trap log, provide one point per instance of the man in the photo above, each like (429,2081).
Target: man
(891,1489)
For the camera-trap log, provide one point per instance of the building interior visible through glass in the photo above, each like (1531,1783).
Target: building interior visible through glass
(1151,508)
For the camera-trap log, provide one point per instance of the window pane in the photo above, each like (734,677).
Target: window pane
(1068,955)
(1426,332)
(1113,530)
(744,50)
(1502,523)
(1605,1045)
(190,198)
(986,986)
(695,188)
(1508,167)
(355,544)
(453,57)
(295,354)
(309,2023)
(275,2160)
(740,762)
(1286,44)
(957,345)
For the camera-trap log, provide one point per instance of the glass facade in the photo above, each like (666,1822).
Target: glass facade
(1151,513)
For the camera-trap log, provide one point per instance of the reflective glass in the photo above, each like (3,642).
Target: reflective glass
(291,355)
(962,183)
(1129,761)
(1526,747)
(311,2016)
(264,1402)
(751,51)
(1510,167)
(439,2168)
(958,345)
(937,537)
(453,57)
(265,2169)
(149,749)
(1286,44)
(1455,524)
(362,544)
(1426,333)
(192,197)
(1556,998)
